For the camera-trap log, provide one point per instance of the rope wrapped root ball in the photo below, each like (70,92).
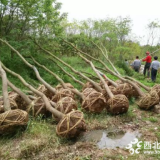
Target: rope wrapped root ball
(156,88)
(44,90)
(68,85)
(71,125)
(119,81)
(11,120)
(113,90)
(125,89)
(66,105)
(63,93)
(38,108)
(88,85)
(93,101)
(118,104)
(20,102)
(12,101)
(148,100)
(106,81)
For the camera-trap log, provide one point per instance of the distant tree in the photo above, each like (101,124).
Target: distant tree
(153,29)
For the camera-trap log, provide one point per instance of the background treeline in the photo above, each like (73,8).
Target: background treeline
(22,22)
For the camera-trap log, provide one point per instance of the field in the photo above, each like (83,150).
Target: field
(40,142)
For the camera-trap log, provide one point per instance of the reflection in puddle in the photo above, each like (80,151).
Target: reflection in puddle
(110,139)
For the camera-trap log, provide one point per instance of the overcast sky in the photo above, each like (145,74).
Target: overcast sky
(140,11)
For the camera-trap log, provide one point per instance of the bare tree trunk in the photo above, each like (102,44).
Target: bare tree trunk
(142,85)
(100,77)
(113,73)
(76,80)
(18,91)
(106,57)
(5,89)
(98,88)
(109,80)
(58,78)
(48,86)
(45,99)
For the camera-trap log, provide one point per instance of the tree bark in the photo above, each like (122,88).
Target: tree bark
(5,89)
(76,80)
(75,71)
(58,78)
(18,91)
(45,99)
(48,86)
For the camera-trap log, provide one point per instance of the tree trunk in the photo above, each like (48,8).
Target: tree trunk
(5,89)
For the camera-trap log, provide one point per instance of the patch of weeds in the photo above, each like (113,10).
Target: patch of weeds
(6,154)
(132,101)
(153,119)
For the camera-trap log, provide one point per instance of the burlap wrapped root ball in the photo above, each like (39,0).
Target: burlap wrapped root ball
(127,90)
(102,85)
(113,90)
(148,100)
(63,93)
(93,101)
(118,104)
(89,85)
(38,108)
(21,103)
(66,105)
(119,81)
(44,90)
(12,102)
(71,125)
(12,120)
(157,89)
(68,85)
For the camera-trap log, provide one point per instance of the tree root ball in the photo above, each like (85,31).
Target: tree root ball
(113,90)
(66,105)
(148,100)
(125,89)
(88,85)
(39,108)
(44,90)
(11,120)
(156,88)
(68,85)
(62,93)
(106,81)
(118,104)
(119,81)
(71,125)
(13,104)
(93,101)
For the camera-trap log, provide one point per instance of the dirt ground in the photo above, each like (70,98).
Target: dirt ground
(39,141)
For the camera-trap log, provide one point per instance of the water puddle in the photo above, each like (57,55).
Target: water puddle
(110,139)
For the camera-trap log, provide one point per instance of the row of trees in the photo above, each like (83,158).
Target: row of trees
(21,21)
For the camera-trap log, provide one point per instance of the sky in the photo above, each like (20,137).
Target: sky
(141,12)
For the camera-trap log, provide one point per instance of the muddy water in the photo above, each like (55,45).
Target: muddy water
(110,139)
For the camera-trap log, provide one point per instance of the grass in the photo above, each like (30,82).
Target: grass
(39,140)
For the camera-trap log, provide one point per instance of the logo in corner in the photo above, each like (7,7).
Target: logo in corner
(131,150)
